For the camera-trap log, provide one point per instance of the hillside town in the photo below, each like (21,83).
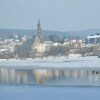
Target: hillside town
(18,46)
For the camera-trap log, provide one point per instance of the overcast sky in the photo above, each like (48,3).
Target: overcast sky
(61,15)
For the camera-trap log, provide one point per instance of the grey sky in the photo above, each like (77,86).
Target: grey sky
(63,15)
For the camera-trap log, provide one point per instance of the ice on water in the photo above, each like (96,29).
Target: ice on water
(52,62)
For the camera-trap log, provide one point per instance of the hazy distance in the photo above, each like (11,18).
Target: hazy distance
(60,15)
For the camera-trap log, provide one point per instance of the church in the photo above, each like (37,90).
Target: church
(39,46)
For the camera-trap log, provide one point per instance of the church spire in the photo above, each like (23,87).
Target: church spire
(39,29)
(38,39)
(38,25)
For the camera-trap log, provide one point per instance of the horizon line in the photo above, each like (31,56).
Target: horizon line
(51,29)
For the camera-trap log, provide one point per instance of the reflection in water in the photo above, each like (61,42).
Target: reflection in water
(50,76)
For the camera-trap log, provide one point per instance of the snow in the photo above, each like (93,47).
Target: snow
(52,62)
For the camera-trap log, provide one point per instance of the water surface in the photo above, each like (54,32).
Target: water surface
(68,76)
(8,92)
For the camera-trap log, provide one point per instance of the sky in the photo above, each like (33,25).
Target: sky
(59,15)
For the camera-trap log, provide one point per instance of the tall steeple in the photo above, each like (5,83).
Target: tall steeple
(38,39)
(39,25)
(39,29)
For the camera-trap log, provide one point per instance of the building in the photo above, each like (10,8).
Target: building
(39,45)
(93,39)
(39,38)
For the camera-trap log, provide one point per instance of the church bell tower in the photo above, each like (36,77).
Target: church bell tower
(39,38)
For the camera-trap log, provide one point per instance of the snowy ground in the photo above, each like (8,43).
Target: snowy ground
(50,62)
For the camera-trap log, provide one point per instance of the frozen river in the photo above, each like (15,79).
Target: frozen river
(50,79)
(51,71)
(51,62)
(48,93)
